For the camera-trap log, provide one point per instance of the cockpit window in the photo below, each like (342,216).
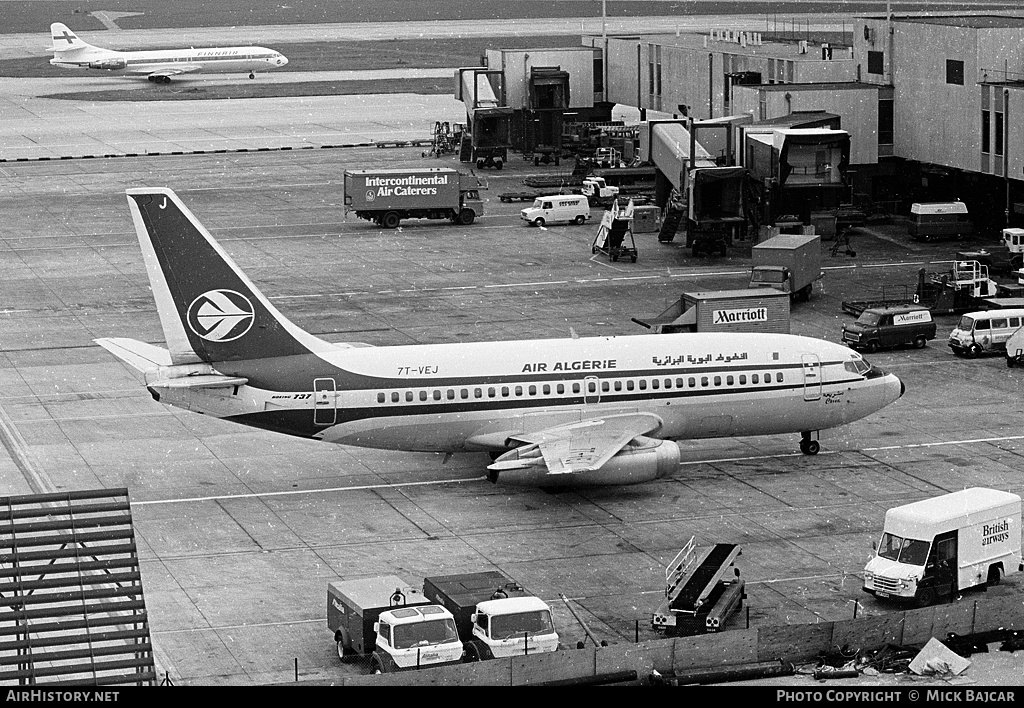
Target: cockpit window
(857,366)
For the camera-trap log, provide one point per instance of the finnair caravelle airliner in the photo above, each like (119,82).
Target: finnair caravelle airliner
(161,64)
(555,413)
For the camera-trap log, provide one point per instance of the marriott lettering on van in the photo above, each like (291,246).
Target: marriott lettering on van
(749,314)
(995,533)
(912,317)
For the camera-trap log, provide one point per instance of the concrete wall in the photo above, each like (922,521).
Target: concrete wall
(791,643)
(936,122)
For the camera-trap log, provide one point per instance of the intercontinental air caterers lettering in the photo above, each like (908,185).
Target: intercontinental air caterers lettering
(408,186)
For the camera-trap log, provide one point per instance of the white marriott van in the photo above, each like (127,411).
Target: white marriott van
(570,208)
(937,547)
(984,331)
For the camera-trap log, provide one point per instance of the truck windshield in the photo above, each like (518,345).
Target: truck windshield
(768,276)
(420,634)
(903,550)
(508,626)
(966,324)
(870,319)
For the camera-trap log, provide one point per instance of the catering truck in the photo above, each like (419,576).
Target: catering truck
(385,197)
(935,548)
(750,310)
(494,615)
(391,624)
(787,262)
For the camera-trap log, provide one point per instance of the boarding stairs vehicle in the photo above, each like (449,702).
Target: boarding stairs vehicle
(701,592)
(615,234)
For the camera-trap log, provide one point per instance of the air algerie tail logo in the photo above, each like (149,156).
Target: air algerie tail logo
(220,315)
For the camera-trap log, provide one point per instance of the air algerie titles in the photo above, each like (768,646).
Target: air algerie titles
(583,365)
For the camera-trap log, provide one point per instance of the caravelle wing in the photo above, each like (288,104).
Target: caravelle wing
(578,447)
(173,70)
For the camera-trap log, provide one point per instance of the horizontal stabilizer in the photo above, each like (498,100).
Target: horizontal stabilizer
(200,381)
(140,355)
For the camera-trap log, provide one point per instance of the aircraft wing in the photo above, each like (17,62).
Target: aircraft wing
(579,447)
(172,70)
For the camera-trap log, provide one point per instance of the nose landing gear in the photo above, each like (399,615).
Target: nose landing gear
(809,442)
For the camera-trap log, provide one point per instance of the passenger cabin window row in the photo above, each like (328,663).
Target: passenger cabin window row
(576,387)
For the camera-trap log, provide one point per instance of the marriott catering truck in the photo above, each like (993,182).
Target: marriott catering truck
(936,548)
(385,197)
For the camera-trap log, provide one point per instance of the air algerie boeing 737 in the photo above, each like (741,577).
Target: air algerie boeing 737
(161,64)
(557,413)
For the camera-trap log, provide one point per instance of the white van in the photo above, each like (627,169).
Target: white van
(571,208)
(937,547)
(985,331)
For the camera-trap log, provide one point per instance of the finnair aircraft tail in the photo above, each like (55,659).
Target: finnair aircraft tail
(560,412)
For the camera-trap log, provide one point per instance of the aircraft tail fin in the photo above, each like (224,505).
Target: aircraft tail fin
(210,311)
(64,40)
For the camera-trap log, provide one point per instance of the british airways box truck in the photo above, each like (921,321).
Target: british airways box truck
(385,197)
(936,548)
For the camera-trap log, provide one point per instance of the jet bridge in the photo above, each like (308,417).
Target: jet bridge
(486,138)
(690,185)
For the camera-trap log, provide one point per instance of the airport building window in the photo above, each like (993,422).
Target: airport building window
(955,72)
(381,398)
(876,62)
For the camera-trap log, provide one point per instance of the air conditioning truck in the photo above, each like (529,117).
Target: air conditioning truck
(936,548)
(392,624)
(494,615)
(385,197)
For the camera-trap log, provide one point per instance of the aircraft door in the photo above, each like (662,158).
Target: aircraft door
(324,411)
(812,377)
(591,390)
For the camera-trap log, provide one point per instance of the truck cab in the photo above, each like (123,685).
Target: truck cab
(597,191)
(412,637)
(935,548)
(494,614)
(511,626)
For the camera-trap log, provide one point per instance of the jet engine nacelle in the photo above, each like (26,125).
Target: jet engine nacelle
(109,64)
(642,460)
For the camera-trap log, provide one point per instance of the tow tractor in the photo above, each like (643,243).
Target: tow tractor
(700,592)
